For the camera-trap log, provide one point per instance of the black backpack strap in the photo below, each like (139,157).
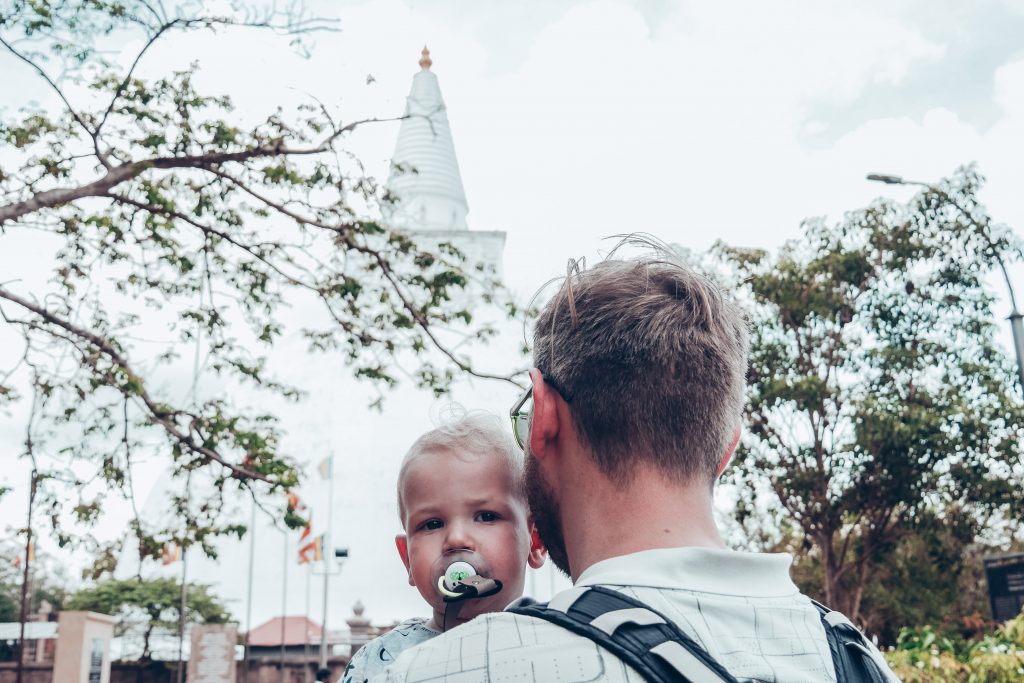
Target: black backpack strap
(851,653)
(640,636)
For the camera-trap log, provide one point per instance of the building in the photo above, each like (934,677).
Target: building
(300,636)
(425,177)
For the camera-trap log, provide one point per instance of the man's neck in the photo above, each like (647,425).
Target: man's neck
(603,519)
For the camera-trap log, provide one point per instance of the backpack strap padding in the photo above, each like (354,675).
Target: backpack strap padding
(683,661)
(566,599)
(641,637)
(609,622)
(852,659)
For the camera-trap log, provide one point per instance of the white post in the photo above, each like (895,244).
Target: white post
(305,647)
(284,602)
(328,557)
(181,614)
(248,597)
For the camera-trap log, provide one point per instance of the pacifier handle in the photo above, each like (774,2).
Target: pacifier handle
(461,581)
(470,587)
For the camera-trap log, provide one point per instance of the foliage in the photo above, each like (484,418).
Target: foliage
(922,655)
(8,604)
(929,577)
(882,416)
(174,222)
(149,606)
(49,582)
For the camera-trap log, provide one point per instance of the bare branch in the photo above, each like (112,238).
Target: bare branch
(157,414)
(71,110)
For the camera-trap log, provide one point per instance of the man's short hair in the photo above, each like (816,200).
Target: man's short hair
(467,434)
(653,359)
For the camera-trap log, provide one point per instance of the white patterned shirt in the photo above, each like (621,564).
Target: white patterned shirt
(743,608)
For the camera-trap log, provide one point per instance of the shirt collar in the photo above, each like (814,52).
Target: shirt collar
(705,570)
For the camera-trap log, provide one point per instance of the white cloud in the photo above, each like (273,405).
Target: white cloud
(1009,88)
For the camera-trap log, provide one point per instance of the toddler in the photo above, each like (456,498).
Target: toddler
(460,499)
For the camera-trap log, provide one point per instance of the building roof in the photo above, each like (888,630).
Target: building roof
(297,630)
(34,630)
(424,170)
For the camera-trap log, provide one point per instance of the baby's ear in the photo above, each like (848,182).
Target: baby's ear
(537,551)
(402,543)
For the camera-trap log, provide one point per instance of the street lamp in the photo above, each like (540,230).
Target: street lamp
(331,568)
(1016,318)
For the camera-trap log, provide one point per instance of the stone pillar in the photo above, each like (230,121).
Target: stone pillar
(359,627)
(83,647)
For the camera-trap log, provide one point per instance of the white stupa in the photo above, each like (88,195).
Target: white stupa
(426,180)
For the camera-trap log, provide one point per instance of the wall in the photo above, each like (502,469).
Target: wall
(159,672)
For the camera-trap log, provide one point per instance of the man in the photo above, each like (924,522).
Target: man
(637,398)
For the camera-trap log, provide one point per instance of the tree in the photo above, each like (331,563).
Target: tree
(880,406)
(148,607)
(49,581)
(163,209)
(930,576)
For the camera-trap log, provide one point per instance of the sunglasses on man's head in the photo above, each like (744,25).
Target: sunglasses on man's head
(520,414)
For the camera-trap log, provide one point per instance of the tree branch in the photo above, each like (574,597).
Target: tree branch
(71,110)
(49,199)
(157,414)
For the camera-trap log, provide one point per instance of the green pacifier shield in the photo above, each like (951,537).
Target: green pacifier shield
(457,571)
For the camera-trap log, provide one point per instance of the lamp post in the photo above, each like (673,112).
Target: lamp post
(331,567)
(1016,318)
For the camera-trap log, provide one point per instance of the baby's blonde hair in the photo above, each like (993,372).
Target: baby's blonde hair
(467,435)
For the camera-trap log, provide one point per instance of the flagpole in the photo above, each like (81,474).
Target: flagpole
(181,614)
(284,601)
(328,557)
(184,582)
(305,647)
(23,611)
(248,598)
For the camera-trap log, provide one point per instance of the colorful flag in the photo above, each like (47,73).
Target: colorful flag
(31,555)
(312,551)
(171,553)
(325,467)
(294,502)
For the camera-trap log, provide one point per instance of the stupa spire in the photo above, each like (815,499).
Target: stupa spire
(425,173)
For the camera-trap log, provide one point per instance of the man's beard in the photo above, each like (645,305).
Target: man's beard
(546,514)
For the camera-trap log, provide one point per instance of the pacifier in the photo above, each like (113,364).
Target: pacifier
(462,581)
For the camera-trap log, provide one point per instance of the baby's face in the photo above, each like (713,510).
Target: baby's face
(456,509)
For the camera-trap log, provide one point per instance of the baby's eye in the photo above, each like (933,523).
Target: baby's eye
(487,517)
(431,524)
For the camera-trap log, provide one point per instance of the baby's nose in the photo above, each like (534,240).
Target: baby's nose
(458,537)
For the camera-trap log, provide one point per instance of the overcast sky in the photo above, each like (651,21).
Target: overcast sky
(576,120)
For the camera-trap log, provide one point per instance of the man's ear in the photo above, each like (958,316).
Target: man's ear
(537,551)
(402,543)
(724,462)
(544,419)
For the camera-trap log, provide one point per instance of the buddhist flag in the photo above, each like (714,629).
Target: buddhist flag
(171,553)
(325,467)
(31,555)
(312,551)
